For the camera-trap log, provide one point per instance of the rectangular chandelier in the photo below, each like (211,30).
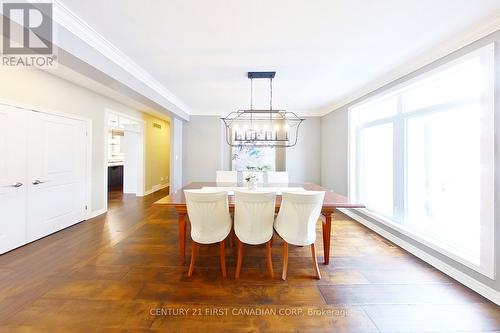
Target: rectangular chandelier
(269,128)
(262,128)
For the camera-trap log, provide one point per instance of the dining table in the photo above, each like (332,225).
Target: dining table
(331,201)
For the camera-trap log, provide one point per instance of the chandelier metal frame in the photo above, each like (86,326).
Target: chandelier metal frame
(280,127)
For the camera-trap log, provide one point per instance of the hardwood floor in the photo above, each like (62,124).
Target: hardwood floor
(120,272)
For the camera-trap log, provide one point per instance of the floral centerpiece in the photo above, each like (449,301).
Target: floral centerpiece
(251,179)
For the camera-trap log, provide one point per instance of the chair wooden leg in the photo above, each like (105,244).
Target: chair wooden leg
(271,240)
(194,245)
(240,258)
(231,238)
(223,258)
(285,260)
(269,258)
(315,261)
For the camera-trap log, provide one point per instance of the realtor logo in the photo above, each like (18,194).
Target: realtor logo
(27,30)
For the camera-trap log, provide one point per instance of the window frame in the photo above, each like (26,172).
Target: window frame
(399,121)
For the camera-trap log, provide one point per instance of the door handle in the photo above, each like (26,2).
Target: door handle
(14,185)
(36,182)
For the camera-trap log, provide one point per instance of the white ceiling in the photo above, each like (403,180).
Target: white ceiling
(323,51)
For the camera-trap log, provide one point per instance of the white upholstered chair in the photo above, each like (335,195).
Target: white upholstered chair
(226,177)
(258,174)
(277,177)
(211,222)
(253,222)
(296,223)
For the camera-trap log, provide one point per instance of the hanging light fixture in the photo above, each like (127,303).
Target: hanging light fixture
(262,128)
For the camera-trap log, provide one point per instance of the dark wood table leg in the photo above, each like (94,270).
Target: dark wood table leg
(327,232)
(182,236)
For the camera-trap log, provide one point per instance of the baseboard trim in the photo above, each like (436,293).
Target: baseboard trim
(461,277)
(96,213)
(156,188)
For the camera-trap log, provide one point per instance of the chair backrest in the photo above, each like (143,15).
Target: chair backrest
(258,174)
(299,212)
(254,216)
(226,176)
(277,177)
(208,213)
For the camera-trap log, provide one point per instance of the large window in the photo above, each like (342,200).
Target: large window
(422,158)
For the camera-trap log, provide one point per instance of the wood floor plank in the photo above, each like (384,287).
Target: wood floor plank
(396,276)
(400,294)
(69,315)
(232,293)
(96,290)
(435,318)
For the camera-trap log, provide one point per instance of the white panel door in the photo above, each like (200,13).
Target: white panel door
(56,173)
(12,178)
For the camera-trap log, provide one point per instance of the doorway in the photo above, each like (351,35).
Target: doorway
(124,155)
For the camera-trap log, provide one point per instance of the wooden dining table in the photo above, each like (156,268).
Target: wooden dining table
(332,201)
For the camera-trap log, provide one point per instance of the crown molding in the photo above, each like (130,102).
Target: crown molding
(78,27)
(468,36)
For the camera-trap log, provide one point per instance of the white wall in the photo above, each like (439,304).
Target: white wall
(40,89)
(176,154)
(202,149)
(334,132)
(303,160)
(206,151)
